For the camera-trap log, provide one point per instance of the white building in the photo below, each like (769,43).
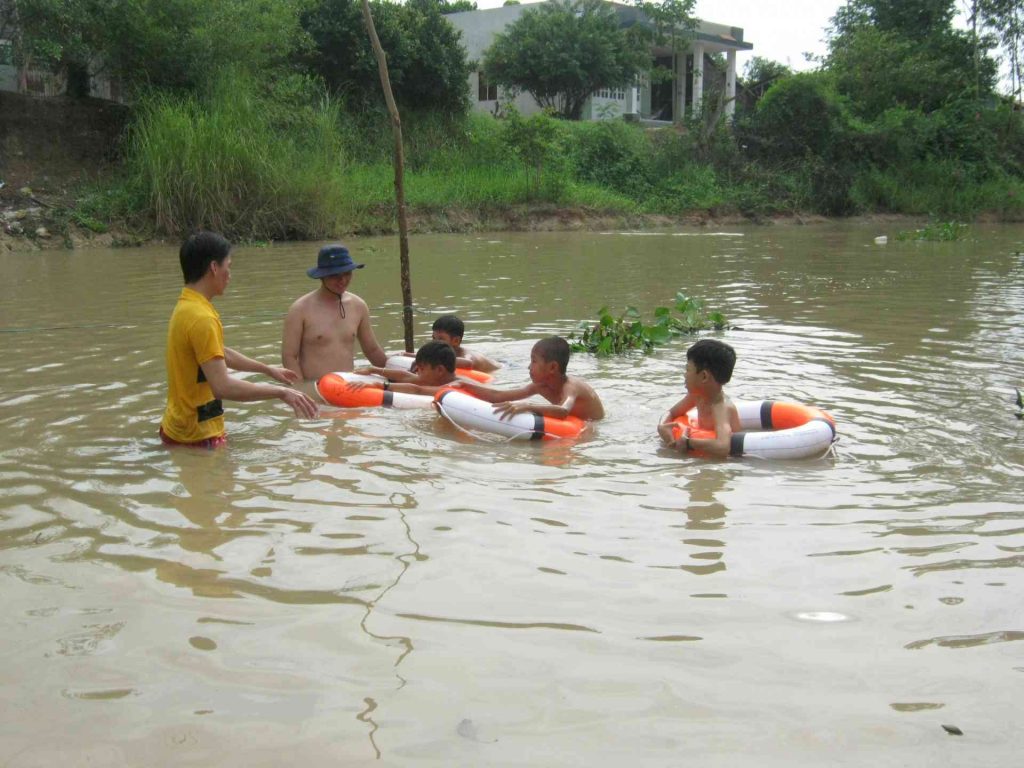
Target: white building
(665,101)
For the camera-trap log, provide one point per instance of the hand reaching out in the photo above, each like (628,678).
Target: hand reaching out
(301,403)
(285,376)
(506,411)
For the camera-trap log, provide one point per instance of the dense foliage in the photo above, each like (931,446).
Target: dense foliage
(426,62)
(153,44)
(262,118)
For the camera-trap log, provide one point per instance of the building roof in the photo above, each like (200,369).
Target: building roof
(478,27)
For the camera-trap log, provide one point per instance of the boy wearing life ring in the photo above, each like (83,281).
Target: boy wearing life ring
(569,395)
(450,329)
(433,368)
(709,365)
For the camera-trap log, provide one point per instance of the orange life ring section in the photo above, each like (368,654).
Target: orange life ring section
(473,415)
(771,429)
(404,363)
(334,388)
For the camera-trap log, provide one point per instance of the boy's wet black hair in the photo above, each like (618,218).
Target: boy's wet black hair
(198,251)
(451,325)
(437,353)
(714,356)
(554,348)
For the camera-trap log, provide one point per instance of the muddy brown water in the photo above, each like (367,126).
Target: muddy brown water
(370,589)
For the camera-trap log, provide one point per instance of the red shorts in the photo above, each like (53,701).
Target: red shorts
(209,443)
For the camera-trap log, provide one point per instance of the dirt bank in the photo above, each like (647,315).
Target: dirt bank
(49,149)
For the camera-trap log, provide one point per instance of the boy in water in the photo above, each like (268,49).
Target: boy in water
(433,368)
(450,329)
(569,395)
(709,365)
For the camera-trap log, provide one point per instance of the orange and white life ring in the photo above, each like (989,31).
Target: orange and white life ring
(473,415)
(772,430)
(334,388)
(404,363)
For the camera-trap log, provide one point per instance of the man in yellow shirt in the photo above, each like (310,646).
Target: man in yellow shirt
(198,361)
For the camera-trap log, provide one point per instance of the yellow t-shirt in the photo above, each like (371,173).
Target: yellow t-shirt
(194,336)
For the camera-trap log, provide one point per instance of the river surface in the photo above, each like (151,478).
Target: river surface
(368,588)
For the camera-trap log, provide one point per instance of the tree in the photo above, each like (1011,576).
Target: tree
(562,51)
(904,53)
(456,6)
(1005,18)
(758,76)
(426,61)
(156,43)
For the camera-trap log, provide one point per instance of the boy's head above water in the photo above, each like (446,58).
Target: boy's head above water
(435,360)
(709,358)
(549,357)
(448,328)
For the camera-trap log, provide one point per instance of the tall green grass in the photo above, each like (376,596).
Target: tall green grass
(218,162)
(256,165)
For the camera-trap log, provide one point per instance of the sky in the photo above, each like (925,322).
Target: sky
(781,30)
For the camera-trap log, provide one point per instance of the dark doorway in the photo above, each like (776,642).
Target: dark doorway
(661,88)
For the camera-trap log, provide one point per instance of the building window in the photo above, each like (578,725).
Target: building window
(485,91)
(6,53)
(611,93)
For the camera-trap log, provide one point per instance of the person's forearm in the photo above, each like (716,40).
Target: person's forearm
(554,411)
(487,394)
(243,391)
(377,356)
(397,375)
(710,446)
(236,361)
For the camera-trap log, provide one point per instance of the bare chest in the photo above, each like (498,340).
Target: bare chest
(325,325)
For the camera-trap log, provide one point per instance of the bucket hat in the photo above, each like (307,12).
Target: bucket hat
(332,260)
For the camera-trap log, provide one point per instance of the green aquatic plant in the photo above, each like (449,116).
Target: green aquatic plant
(612,335)
(937,231)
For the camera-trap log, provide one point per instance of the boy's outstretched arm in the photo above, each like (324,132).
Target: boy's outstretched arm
(480,362)
(414,389)
(391,374)
(491,395)
(506,410)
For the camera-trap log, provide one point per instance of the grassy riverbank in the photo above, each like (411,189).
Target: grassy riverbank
(270,169)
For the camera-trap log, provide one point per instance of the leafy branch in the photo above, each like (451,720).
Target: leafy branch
(612,335)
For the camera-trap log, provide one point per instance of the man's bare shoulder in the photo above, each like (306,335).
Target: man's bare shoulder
(304,302)
(355,300)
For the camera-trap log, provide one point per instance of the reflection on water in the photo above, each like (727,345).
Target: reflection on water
(369,586)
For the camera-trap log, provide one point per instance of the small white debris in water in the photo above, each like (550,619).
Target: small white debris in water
(881,240)
(823,616)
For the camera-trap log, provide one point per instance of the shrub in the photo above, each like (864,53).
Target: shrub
(614,154)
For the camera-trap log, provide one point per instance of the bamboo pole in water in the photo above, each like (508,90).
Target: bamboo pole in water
(399,162)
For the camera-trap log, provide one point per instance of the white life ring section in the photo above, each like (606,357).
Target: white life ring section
(334,388)
(473,415)
(773,429)
(404,363)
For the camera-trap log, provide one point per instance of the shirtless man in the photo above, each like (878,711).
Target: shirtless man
(321,328)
